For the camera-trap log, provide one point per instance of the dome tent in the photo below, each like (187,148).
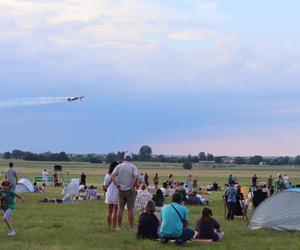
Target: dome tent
(24,186)
(278,212)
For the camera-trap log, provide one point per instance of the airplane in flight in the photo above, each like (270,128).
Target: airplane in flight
(72,99)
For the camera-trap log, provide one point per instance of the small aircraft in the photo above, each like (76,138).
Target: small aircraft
(72,99)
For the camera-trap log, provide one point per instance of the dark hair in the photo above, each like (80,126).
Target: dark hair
(206,213)
(112,166)
(10,164)
(177,197)
(5,183)
(159,193)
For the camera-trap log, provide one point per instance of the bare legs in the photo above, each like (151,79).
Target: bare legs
(130,216)
(112,215)
(9,224)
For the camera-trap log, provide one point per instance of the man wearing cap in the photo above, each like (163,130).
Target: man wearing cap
(125,177)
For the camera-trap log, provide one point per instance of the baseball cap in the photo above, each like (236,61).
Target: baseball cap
(128,156)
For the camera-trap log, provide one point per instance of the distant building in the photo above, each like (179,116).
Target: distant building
(227,160)
(206,163)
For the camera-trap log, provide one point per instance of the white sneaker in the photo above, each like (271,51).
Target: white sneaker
(11,233)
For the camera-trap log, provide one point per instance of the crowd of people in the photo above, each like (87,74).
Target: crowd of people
(257,192)
(125,187)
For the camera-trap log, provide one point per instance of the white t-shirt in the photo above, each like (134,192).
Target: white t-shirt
(45,176)
(112,194)
(286,180)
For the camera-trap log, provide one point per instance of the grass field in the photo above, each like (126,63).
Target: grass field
(82,225)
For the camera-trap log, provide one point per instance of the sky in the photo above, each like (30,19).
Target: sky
(180,76)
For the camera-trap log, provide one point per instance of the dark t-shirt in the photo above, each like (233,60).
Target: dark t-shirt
(159,201)
(148,226)
(206,229)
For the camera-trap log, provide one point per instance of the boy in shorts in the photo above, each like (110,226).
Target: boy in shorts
(7,198)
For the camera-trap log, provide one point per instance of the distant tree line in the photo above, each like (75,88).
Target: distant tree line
(48,156)
(145,154)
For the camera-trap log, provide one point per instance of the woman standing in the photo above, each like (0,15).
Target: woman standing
(111,197)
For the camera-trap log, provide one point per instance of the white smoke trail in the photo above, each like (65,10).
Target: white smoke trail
(31,101)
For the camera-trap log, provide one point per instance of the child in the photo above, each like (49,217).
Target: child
(7,205)
(148,222)
(207,227)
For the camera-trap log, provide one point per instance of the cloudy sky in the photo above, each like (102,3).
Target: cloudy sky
(181,76)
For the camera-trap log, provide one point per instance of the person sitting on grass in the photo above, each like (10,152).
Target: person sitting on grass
(207,227)
(174,221)
(35,187)
(148,222)
(8,204)
(43,188)
(142,197)
(158,198)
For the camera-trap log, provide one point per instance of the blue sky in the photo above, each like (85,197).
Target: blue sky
(180,76)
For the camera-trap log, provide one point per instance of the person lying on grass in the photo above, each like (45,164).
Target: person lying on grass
(148,222)
(207,227)
(8,203)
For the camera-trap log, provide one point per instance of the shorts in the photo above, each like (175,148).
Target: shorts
(7,213)
(12,185)
(127,197)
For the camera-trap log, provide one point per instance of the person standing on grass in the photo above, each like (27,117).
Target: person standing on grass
(254,180)
(83,179)
(11,176)
(229,178)
(111,197)
(7,197)
(231,200)
(125,177)
(174,221)
(156,180)
(45,177)
(146,177)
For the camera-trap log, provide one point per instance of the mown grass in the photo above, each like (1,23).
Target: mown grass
(82,225)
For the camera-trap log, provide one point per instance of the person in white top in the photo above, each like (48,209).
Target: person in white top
(286,180)
(111,197)
(45,177)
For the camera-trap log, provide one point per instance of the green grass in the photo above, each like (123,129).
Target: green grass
(82,225)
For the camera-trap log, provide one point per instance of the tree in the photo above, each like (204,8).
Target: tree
(239,160)
(209,157)
(218,159)
(202,156)
(187,165)
(145,153)
(110,157)
(17,154)
(161,158)
(7,155)
(255,160)
(297,160)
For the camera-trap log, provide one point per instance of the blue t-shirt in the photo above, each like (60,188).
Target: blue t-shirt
(172,225)
(231,194)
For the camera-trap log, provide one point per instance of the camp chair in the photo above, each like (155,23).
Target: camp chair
(245,191)
(244,210)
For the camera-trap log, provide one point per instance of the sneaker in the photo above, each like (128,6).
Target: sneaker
(11,233)
(117,229)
